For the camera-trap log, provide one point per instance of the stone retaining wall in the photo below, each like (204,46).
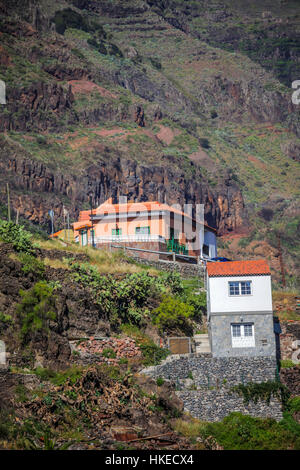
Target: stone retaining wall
(210,371)
(203,384)
(214,405)
(186,270)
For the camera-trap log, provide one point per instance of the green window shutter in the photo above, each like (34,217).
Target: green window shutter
(142,230)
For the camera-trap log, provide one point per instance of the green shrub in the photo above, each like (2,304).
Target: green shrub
(122,300)
(263,391)
(173,281)
(5,319)
(17,236)
(159,381)
(69,18)
(59,377)
(30,264)
(153,354)
(155,63)
(109,353)
(239,432)
(286,363)
(36,308)
(204,143)
(172,313)
(198,302)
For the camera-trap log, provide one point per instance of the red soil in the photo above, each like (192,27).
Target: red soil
(85,86)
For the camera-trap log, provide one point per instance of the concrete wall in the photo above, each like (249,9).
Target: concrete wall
(260,299)
(221,341)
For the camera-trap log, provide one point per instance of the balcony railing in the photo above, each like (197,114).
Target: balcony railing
(128,238)
(175,247)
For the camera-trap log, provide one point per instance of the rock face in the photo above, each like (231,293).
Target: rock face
(34,185)
(27,105)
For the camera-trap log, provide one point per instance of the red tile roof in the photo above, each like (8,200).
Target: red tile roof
(238,268)
(107,208)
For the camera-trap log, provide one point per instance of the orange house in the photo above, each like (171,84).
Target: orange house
(147,225)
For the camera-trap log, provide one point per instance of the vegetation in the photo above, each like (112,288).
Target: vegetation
(172,313)
(17,236)
(239,432)
(263,391)
(152,354)
(31,264)
(36,308)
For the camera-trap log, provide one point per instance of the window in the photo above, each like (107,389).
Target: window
(84,237)
(234,288)
(206,250)
(116,231)
(246,288)
(242,335)
(142,230)
(240,288)
(236,331)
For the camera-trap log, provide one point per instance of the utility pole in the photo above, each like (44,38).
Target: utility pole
(68,225)
(51,214)
(17,217)
(92,230)
(8,203)
(64,215)
(281,260)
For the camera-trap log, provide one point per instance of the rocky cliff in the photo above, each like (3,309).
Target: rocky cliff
(154,100)
(35,187)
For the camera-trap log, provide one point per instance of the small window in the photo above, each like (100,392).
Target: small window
(246,288)
(142,230)
(206,250)
(248,330)
(234,288)
(240,287)
(236,331)
(242,335)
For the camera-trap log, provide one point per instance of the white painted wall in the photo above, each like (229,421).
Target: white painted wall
(210,239)
(259,301)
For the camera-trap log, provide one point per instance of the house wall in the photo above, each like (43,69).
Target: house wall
(210,239)
(221,341)
(259,300)
(104,227)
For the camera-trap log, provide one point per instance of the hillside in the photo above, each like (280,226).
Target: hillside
(185,102)
(79,327)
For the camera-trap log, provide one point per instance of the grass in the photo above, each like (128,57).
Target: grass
(284,304)
(56,263)
(240,432)
(287,364)
(106,262)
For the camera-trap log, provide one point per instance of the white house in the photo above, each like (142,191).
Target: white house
(239,309)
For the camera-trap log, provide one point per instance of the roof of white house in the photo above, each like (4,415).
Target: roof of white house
(238,268)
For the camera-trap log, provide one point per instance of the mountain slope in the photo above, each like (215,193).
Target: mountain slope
(113,98)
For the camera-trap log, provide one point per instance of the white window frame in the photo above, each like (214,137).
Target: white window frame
(244,340)
(239,288)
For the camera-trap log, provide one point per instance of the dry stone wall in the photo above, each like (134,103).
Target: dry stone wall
(210,371)
(214,405)
(204,384)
